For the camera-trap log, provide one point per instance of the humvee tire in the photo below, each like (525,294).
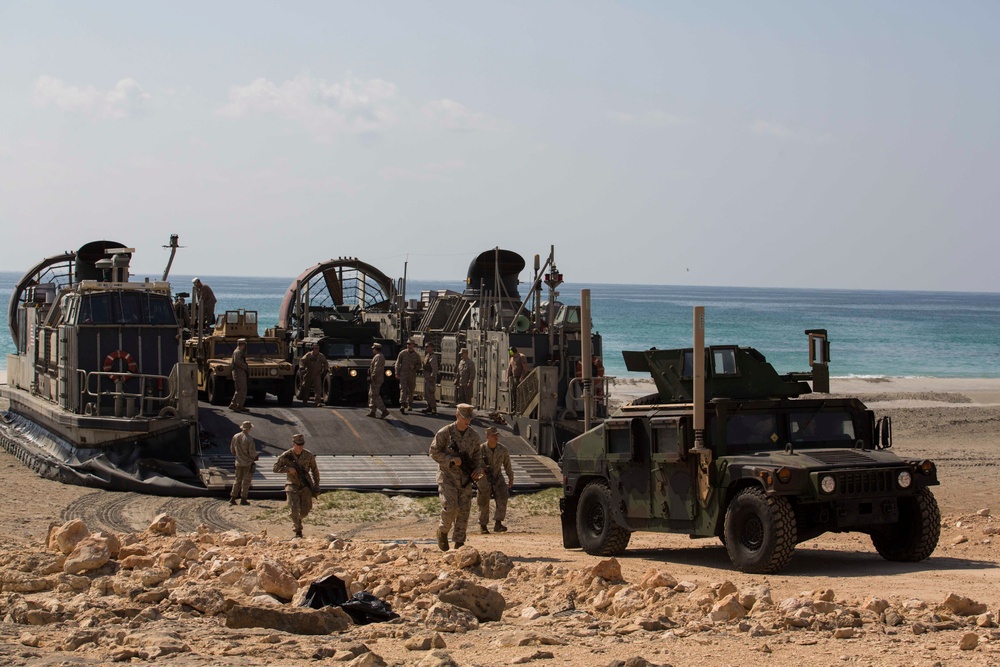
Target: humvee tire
(915,536)
(217,390)
(759,531)
(599,534)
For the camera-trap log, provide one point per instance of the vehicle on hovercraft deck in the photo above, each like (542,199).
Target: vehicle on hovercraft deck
(267,357)
(328,305)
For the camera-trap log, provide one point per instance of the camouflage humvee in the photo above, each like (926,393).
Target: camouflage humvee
(772,470)
(267,356)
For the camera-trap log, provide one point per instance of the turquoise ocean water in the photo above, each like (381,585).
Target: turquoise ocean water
(872,333)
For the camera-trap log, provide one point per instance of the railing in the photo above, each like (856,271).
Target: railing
(525,393)
(599,394)
(125,401)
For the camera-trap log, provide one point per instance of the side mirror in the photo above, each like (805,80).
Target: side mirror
(883,433)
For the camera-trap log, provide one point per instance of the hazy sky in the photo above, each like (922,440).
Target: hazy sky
(787,144)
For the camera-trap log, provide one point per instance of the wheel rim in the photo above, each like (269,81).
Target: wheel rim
(596,519)
(752,536)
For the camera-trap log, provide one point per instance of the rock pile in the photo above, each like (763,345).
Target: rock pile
(233,595)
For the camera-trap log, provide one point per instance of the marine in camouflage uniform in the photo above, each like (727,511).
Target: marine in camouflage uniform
(464,378)
(408,365)
(241,376)
(452,444)
(376,375)
(430,370)
(206,301)
(313,366)
(496,458)
(299,492)
(243,449)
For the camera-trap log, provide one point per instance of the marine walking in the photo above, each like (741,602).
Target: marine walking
(241,376)
(302,482)
(456,450)
(496,463)
(244,450)
(376,375)
(314,368)
(430,371)
(408,365)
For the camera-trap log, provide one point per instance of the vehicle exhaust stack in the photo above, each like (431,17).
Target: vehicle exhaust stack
(698,375)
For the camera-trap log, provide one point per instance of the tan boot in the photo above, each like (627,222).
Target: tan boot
(442,541)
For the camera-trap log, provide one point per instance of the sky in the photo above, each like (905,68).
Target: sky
(843,145)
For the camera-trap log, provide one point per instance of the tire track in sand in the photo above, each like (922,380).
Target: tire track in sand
(189,513)
(102,509)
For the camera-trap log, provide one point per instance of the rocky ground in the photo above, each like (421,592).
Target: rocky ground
(89,577)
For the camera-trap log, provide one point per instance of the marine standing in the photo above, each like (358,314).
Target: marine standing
(408,364)
(464,377)
(455,448)
(517,369)
(430,370)
(243,449)
(496,458)
(241,376)
(314,368)
(205,300)
(181,311)
(302,482)
(376,375)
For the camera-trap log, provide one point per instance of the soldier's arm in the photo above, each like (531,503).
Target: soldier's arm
(282,464)
(314,470)
(477,460)
(508,468)
(439,449)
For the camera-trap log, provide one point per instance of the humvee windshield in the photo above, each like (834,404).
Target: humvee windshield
(254,349)
(766,431)
(346,350)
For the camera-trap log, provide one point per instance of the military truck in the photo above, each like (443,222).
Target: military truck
(744,459)
(329,304)
(347,347)
(267,356)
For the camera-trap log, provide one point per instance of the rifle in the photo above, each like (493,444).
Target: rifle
(466,466)
(304,477)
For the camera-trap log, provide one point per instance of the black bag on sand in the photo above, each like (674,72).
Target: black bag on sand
(363,607)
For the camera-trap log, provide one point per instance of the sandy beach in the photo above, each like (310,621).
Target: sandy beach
(860,609)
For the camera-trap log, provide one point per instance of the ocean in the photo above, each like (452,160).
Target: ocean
(872,333)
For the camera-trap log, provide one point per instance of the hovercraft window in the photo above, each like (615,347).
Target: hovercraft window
(125,308)
(160,310)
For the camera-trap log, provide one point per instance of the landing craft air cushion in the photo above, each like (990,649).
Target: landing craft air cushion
(98,395)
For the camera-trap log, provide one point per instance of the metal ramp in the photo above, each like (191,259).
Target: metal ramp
(400,474)
(353,451)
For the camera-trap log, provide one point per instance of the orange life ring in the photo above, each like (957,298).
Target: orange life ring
(109,364)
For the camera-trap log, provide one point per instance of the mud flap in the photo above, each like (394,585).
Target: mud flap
(567,517)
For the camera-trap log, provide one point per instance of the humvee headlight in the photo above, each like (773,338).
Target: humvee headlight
(904,479)
(274,371)
(353,372)
(828,484)
(784,475)
(388,373)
